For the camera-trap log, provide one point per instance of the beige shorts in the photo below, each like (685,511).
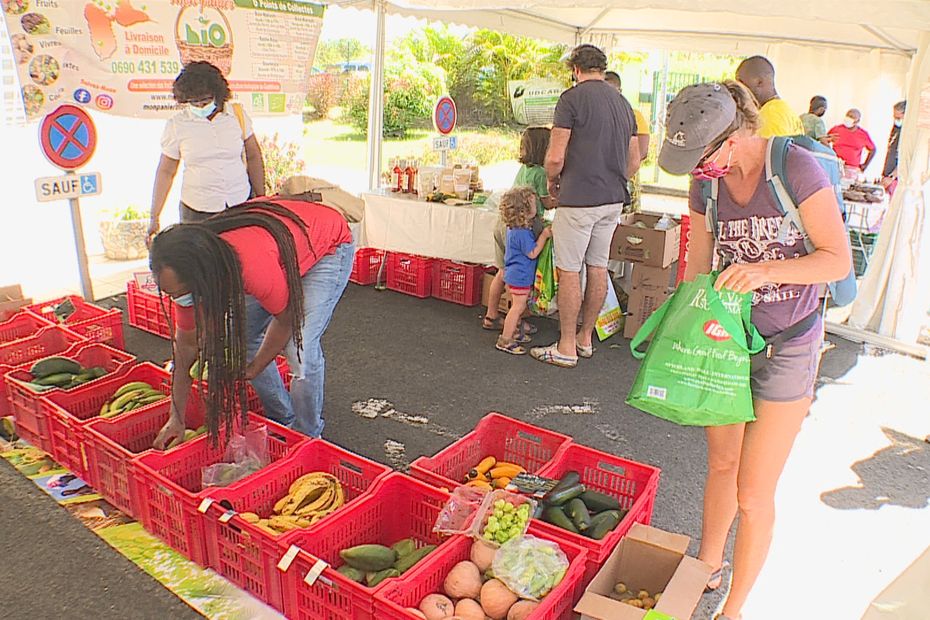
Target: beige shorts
(582,236)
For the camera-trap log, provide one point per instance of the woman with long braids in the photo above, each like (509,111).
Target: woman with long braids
(247,283)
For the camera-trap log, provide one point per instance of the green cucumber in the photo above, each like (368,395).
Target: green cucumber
(409,561)
(347,571)
(373,579)
(556,516)
(603,523)
(369,558)
(560,496)
(578,513)
(53,366)
(599,502)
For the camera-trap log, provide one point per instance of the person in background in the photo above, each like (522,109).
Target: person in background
(248,283)
(778,119)
(592,154)
(716,139)
(812,120)
(222,158)
(642,136)
(533,145)
(890,170)
(849,140)
(518,211)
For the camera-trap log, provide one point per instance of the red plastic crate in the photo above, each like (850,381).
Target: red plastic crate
(248,555)
(398,507)
(146,313)
(366,266)
(634,484)
(110,444)
(21,325)
(428,576)
(409,274)
(91,321)
(506,439)
(459,283)
(253,402)
(47,341)
(63,411)
(170,486)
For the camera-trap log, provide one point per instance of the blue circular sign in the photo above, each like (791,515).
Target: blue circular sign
(68,137)
(82,95)
(445,115)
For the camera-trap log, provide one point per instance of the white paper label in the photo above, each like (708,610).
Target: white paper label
(288,558)
(205,505)
(226,516)
(314,573)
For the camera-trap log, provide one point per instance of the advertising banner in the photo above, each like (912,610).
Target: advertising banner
(533,101)
(122,56)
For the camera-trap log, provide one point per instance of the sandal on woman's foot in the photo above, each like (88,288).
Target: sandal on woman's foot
(492,325)
(551,355)
(512,347)
(716,577)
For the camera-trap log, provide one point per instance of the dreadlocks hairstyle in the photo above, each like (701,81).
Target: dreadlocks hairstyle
(211,269)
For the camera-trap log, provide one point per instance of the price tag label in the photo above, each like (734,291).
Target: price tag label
(226,516)
(205,505)
(314,573)
(288,558)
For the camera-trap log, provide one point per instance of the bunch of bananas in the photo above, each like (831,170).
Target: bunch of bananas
(130,396)
(492,474)
(309,499)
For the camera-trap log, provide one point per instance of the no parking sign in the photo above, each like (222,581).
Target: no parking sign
(68,137)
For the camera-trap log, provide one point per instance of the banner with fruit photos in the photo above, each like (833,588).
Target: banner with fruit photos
(122,56)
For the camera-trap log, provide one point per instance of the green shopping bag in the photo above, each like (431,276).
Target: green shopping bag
(696,370)
(546,283)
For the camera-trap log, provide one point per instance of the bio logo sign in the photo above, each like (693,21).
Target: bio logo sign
(207,29)
(715,331)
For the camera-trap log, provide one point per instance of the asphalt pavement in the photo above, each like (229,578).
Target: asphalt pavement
(384,351)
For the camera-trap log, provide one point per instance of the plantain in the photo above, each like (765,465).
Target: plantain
(129,387)
(306,493)
(250,517)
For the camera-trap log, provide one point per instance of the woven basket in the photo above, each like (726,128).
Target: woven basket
(219,57)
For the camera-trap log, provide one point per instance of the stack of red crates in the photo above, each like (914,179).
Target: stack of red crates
(91,321)
(146,311)
(17,327)
(366,266)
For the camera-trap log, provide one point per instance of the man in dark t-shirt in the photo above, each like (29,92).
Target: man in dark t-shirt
(890,171)
(593,151)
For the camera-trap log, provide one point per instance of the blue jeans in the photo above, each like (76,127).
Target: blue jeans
(302,408)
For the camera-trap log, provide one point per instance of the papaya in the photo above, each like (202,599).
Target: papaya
(404,547)
(373,579)
(53,366)
(352,573)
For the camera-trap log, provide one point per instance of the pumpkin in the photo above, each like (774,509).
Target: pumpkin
(496,599)
(482,554)
(415,612)
(463,581)
(469,609)
(522,610)
(436,607)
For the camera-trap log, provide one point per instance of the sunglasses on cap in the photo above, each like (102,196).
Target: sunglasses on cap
(716,146)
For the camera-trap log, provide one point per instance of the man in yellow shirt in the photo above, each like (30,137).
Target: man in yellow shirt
(777,117)
(642,136)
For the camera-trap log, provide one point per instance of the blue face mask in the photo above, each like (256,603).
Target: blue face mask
(185,301)
(205,111)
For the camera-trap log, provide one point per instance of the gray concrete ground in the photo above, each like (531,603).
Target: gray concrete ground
(431,359)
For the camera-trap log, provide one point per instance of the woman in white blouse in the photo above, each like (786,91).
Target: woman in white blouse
(222,159)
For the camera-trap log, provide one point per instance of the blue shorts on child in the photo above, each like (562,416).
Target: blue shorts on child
(519,269)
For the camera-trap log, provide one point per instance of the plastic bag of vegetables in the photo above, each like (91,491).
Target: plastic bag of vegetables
(529,566)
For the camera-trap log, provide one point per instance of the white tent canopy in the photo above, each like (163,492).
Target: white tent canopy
(854,49)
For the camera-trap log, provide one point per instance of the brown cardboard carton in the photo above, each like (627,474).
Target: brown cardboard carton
(11,300)
(647,559)
(643,301)
(643,244)
(656,277)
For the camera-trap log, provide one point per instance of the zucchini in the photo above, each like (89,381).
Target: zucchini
(568,479)
(602,523)
(559,496)
(373,579)
(599,502)
(59,379)
(410,560)
(556,516)
(579,514)
(352,573)
(53,366)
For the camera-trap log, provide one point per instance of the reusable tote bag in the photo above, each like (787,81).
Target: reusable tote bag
(696,370)
(542,297)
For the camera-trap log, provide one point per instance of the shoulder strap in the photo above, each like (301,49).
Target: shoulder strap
(776,157)
(240,116)
(709,192)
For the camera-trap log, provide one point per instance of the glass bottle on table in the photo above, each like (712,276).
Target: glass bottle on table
(397,176)
(411,173)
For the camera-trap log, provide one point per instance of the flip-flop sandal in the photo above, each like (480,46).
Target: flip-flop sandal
(551,355)
(585,352)
(512,347)
(714,576)
(492,325)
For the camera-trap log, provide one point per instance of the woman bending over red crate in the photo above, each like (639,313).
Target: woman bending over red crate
(247,283)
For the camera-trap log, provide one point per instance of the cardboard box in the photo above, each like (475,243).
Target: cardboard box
(656,277)
(506,299)
(647,559)
(11,300)
(644,300)
(643,244)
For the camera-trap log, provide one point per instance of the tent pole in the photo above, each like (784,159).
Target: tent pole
(376,101)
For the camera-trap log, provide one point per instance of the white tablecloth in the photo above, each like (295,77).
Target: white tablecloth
(430,229)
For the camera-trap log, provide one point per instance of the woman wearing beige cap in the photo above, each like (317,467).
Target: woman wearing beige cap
(711,133)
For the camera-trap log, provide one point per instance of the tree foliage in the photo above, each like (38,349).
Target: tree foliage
(339,51)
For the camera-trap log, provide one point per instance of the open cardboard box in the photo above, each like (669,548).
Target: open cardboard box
(647,559)
(643,244)
(11,300)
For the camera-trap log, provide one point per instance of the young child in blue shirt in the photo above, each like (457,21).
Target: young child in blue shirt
(518,210)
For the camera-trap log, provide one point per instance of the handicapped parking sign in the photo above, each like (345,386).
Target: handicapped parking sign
(89,184)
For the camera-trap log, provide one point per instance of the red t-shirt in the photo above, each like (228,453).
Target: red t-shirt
(850,142)
(263,276)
